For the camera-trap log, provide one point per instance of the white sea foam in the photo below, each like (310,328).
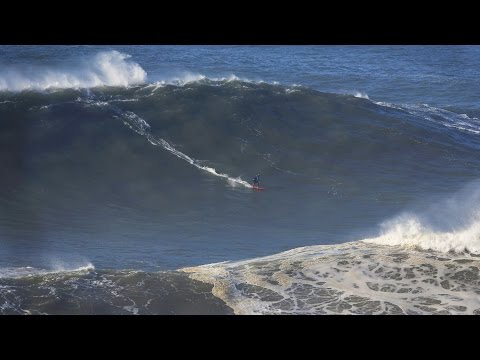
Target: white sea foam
(58,267)
(350,278)
(108,68)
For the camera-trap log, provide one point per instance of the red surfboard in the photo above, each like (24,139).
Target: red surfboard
(257,188)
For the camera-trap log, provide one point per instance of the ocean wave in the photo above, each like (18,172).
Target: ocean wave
(306,116)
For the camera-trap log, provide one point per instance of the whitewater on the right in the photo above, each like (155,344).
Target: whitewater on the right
(419,263)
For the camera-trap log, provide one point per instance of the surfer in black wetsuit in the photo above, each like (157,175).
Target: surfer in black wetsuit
(256,181)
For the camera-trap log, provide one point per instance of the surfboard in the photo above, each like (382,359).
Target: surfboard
(258,188)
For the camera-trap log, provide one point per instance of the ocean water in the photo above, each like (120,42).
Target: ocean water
(126,179)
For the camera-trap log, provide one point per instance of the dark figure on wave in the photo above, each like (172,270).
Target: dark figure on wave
(256,181)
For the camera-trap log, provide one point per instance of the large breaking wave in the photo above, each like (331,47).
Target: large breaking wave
(335,164)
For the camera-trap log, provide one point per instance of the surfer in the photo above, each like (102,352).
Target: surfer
(256,181)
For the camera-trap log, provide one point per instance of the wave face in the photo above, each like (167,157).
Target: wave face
(139,161)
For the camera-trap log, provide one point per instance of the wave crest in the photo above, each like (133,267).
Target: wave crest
(106,68)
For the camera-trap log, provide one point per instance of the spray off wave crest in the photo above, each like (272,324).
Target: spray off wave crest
(448,225)
(362,95)
(410,231)
(109,68)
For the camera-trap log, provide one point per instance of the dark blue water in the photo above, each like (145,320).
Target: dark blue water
(344,137)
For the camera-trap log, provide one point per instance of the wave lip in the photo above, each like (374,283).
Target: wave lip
(106,68)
